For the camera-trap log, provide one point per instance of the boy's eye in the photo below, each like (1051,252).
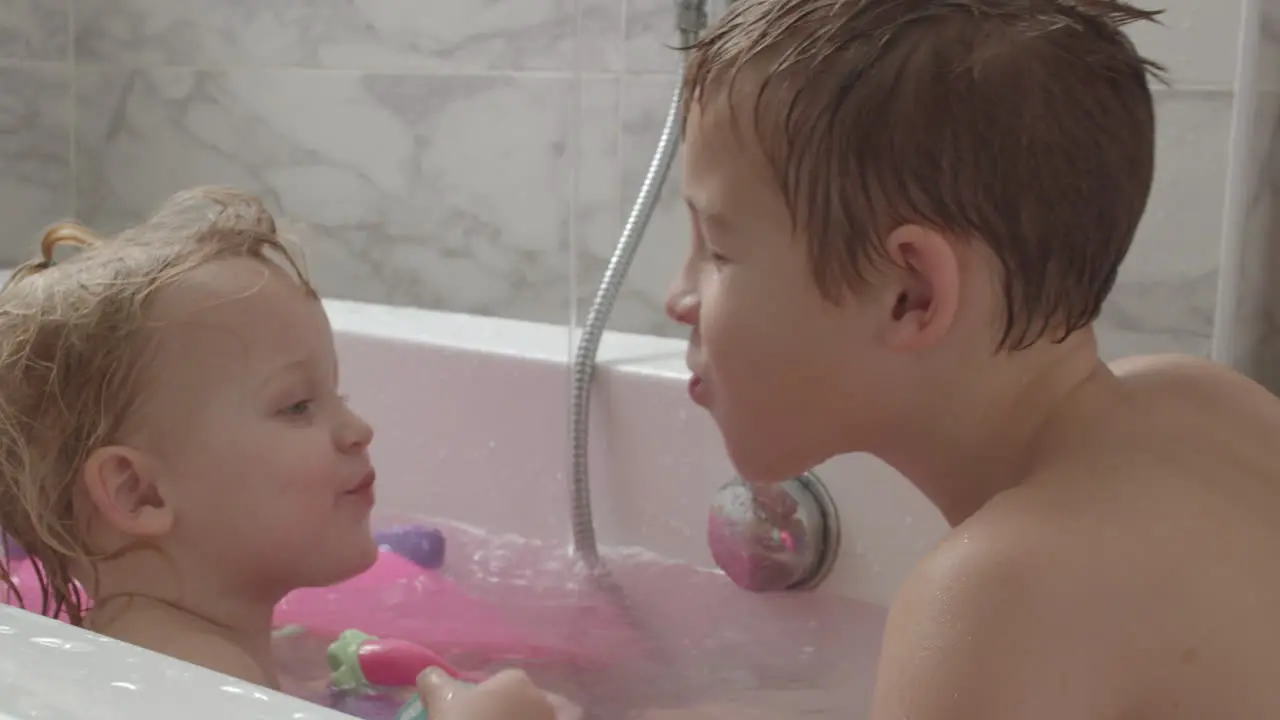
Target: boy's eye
(299,408)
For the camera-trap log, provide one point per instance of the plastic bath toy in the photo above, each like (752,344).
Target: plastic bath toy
(360,663)
(398,598)
(23,573)
(423,545)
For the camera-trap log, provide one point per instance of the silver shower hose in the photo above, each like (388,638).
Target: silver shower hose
(691,19)
(585,547)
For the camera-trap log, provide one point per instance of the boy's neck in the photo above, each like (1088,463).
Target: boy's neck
(985,434)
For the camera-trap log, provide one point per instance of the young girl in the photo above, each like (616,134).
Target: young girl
(171,432)
(173,438)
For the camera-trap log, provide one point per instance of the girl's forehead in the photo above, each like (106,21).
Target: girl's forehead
(230,315)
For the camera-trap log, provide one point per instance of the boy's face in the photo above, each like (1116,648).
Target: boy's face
(264,468)
(788,376)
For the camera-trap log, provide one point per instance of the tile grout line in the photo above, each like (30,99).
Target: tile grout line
(575,172)
(74,112)
(619,170)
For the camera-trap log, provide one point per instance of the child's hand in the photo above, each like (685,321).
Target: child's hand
(509,695)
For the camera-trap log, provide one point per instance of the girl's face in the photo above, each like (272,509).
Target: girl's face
(263,467)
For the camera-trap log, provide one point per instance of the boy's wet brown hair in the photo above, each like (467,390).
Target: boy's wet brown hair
(73,334)
(1024,124)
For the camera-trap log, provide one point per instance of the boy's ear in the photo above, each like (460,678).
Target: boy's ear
(925,275)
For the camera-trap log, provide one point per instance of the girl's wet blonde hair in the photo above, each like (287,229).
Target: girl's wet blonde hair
(71,337)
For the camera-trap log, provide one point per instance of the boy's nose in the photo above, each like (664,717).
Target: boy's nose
(682,305)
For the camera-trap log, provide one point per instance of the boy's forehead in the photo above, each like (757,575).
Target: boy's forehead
(724,161)
(716,142)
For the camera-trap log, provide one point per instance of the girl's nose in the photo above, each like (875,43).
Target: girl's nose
(355,434)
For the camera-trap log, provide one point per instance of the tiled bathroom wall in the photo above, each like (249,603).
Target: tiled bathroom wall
(481,156)
(1247,330)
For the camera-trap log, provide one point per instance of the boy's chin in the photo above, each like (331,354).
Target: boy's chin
(758,466)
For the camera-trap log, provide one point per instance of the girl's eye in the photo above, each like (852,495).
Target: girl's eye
(299,408)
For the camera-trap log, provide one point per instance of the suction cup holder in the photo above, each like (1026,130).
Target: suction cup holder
(777,536)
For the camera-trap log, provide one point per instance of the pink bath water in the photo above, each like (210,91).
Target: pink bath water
(669,636)
(686,638)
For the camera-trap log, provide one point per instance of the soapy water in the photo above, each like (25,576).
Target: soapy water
(668,640)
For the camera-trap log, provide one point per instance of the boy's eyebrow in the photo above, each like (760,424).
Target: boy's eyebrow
(710,216)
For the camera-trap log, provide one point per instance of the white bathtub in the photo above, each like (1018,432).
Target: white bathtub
(472,426)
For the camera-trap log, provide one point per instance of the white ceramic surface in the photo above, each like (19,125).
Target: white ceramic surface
(52,671)
(470,415)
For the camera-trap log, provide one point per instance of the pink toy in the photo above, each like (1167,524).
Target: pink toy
(23,574)
(397,598)
(360,662)
(396,663)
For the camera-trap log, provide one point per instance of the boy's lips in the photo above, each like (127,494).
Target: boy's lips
(697,390)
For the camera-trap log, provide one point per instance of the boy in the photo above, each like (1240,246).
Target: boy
(906,216)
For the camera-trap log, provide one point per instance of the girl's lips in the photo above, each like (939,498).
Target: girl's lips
(365,485)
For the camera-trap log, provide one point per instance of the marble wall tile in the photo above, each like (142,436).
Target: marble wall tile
(35,154)
(1262,220)
(442,35)
(1247,331)
(651,34)
(1196,40)
(1252,329)
(642,106)
(450,154)
(598,192)
(35,30)
(601,30)
(1267,51)
(435,191)
(1165,297)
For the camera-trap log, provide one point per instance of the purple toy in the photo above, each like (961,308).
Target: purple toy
(11,550)
(423,545)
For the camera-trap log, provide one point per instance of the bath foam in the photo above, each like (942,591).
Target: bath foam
(398,599)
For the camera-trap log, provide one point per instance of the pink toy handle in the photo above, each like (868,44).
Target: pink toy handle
(396,663)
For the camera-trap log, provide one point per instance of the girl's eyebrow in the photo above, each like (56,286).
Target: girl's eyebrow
(293,366)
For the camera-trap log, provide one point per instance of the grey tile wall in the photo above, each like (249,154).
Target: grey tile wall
(481,156)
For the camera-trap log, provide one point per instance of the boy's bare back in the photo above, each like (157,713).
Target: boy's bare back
(1133,575)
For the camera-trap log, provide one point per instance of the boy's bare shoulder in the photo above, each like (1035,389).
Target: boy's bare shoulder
(1182,375)
(1131,575)
(983,614)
